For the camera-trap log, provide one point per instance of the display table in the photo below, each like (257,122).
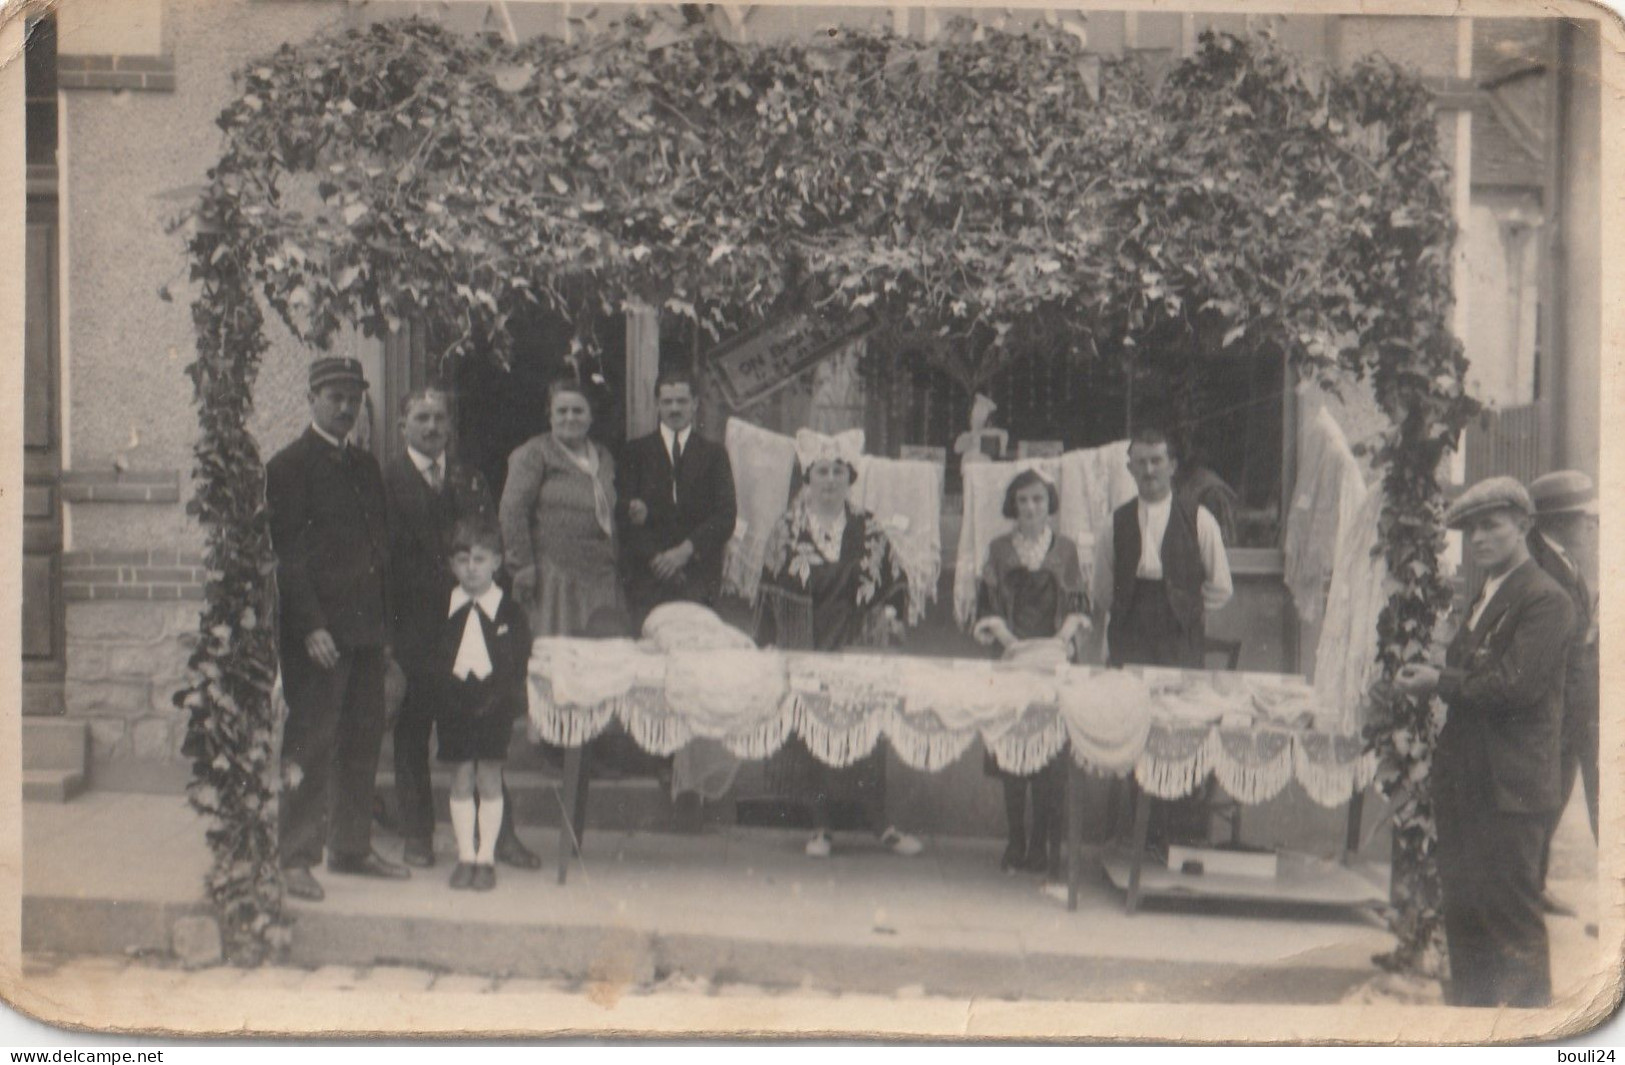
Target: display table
(1168,729)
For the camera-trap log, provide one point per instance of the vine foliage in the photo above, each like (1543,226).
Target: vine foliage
(984,195)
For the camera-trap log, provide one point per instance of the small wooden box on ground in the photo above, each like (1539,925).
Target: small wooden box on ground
(1228,861)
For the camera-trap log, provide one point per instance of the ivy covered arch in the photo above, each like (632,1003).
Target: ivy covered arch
(983,195)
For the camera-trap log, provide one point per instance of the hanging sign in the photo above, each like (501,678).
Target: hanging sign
(763,360)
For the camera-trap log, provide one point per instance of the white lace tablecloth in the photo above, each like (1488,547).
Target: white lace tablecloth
(1255,731)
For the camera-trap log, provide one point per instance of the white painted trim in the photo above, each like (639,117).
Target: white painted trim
(1131,30)
(64,336)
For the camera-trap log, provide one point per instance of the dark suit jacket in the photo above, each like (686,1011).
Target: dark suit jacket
(420,528)
(1580,673)
(330,531)
(1503,683)
(507,640)
(703,513)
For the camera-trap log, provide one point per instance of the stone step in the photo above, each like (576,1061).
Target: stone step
(625,804)
(52,785)
(55,743)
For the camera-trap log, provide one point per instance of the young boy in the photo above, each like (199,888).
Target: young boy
(480,660)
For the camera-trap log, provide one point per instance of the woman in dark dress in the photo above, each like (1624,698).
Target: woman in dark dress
(830,581)
(1032,589)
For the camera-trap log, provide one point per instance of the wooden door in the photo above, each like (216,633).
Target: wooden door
(42,636)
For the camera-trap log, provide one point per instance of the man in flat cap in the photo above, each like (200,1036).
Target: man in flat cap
(1495,769)
(1565,522)
(330,532)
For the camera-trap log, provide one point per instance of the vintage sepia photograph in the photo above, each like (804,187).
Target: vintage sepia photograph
(791,520)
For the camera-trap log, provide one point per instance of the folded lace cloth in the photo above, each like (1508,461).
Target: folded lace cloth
(718,692)
(762,462)
(589,672)
(1196,703)
(1040,656)
(691,627)
(849,683)
(969,694)
(1107,715)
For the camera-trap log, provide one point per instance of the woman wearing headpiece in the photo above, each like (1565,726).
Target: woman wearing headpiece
(558,520)
(1032,588)
(830,581)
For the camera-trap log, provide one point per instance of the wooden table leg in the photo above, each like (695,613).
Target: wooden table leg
(1142,827)
(1351,841)
(1074,830)
(573,774)
(578,805)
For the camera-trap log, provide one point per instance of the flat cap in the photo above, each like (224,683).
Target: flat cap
(336,370)
(1492,493)
(1563,492)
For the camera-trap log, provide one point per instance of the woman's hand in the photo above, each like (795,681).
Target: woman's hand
(1075,627)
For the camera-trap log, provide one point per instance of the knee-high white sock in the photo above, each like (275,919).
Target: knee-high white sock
(462,823)
(490,825)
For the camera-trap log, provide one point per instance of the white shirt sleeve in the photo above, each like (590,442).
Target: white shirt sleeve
(1100,581)
(1216,589)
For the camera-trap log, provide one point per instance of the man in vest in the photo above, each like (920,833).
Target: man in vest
(1565,524)
(1159,567)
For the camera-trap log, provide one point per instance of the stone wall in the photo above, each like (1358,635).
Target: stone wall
(126,660)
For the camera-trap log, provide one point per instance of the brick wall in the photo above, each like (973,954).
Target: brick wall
(154,573)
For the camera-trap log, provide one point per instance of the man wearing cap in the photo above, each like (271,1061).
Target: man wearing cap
(1495,769)
(1565,512)
(329,528)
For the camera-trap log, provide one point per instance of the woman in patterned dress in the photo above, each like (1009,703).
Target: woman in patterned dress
(830,581)
(558,520)
(1031,589)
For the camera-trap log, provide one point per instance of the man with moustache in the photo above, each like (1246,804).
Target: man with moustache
(1494,779)
(327,511)
(428,495)
(1160,566)
(678,508)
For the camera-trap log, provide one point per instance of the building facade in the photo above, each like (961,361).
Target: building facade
(122,96)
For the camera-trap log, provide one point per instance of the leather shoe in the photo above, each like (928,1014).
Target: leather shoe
(419,853)
(297,883)
(366,865)
(485,877)
(510,851)
(462,877)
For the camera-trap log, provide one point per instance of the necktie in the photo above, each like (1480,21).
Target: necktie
(437,479)
(676,458)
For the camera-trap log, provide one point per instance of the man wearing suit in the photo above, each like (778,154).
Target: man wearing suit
(428,494)
(677,506)
(329,528)
(1565,513)
(1496,766)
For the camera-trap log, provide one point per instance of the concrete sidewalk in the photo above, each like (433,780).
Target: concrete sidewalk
(109,873)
